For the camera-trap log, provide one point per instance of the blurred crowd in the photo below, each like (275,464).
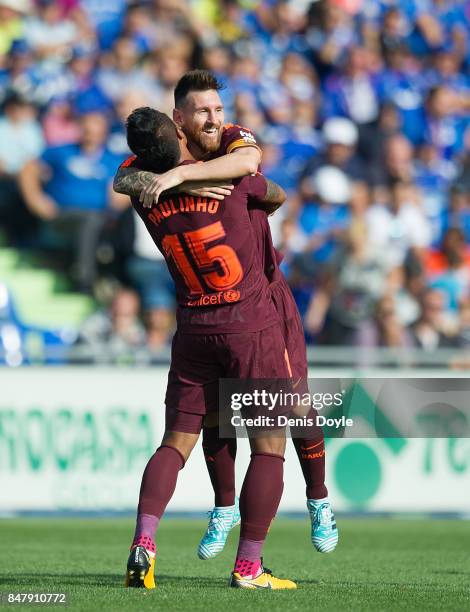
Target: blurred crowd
(362,112)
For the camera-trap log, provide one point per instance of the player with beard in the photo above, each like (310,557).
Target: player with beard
(230,151)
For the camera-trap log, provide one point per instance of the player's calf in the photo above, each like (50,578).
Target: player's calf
(157,487)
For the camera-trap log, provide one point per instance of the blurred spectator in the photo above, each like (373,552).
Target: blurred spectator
(246,77)
(323,220)
(21,140)
(148,271)
(139,27)
(398,162)
(440,23)
(389,331)
(117,140)
(160,327)
(354,93)
(106,17)
(394,31)
(21,136)
(171,67)
(428,332)
(48,33)
(408,296)
(77,191)
(16,70)
(340,136)
(81,67)
(400,225)
(173,18)
(59,123)
(449,268)
(458,214)
(443,126)
(279,28)
(11,23)
(116,332)
(372,141)
(360,199)
(433,176)
(331,33)
(344,305)
(445,71)
(145,266)
(124,73)
(403,84)
(216,59)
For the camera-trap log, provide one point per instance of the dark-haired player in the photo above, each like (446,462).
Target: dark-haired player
(231,151)
(227,326)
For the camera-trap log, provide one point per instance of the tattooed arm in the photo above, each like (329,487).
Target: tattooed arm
(274,198)
(265,194)
(130,181)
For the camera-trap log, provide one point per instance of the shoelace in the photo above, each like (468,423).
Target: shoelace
(215,521)
(323,515)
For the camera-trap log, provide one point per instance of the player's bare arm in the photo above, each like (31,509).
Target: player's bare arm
(241,162)
(275,197)
(37,201)
(132,182)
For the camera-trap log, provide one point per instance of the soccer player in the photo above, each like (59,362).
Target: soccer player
(227,326)
(231,151)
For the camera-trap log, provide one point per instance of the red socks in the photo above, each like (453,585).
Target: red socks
(260,495)
(158,485)
(259,501)
(220,454)
(220,457)
(311,454)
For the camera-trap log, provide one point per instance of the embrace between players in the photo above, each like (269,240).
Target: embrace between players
(236,318)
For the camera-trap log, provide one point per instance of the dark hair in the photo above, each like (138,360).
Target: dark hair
(195,80)
(151,135)
(15,98)
(434,91)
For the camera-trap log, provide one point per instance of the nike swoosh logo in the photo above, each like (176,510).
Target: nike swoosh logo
(260,586)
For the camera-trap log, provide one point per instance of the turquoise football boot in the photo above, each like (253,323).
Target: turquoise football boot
(324,530)
(222,520)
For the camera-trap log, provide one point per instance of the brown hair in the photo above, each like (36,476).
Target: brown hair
(195,80)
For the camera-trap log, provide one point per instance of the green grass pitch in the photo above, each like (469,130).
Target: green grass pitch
(379,565)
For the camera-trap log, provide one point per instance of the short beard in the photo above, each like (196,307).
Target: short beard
(204,146)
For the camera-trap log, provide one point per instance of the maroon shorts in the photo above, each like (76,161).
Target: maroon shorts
(292,329)
(199,361)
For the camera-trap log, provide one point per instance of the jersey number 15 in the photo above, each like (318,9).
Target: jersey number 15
(228,271)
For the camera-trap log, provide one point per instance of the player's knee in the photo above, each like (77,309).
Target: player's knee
(181,441)
(270,445)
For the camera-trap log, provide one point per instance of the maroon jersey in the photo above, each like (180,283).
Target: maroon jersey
(211,252)
(236,137)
